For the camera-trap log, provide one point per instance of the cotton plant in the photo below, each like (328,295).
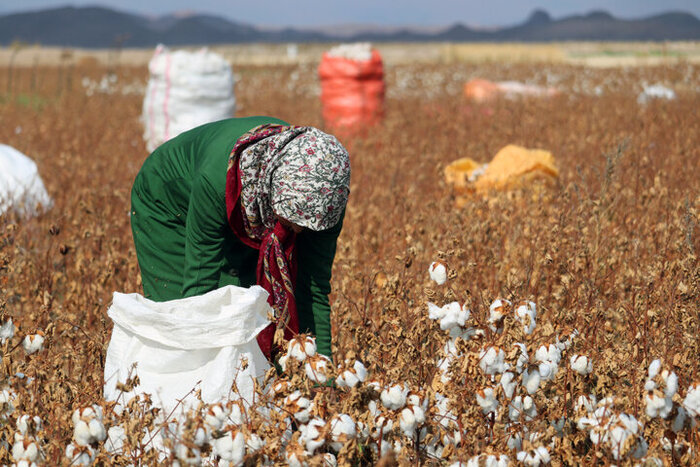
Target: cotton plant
(351,374)
(231,447)
(394,396)
(313,434)
(581,364)
(299,406)
(492,360)
(487,400)
(691,403)
(343,429)
(7,331)
(526,314)
(522,408)
(318,368)
(88,427)
(497,312)
(485,460)
(300,348)
(534,457)
(26,448)
(660,386)
(33,343)
(80,455)
(438,272)
(452,315)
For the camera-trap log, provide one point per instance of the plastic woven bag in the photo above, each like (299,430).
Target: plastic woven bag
(205,342)
(21,188)
(352,86)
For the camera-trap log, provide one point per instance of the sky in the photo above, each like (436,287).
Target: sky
(307,13)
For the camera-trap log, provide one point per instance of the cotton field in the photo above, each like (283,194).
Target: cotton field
(551,325)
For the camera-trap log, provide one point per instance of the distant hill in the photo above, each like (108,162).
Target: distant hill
(96,27)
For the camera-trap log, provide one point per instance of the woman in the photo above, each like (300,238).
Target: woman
(244,201)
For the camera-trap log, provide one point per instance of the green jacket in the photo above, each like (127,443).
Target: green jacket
(183,241)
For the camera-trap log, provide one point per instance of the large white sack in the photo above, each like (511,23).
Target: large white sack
(21,188)
(178,343)
(185,90)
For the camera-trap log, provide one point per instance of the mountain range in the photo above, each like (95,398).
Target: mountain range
(98,27)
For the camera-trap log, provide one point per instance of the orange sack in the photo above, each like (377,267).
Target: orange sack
(352,91)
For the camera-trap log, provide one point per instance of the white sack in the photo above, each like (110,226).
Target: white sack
(21,188)
(185,90)
(177,343)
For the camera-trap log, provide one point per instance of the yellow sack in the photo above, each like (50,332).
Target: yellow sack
(511,167)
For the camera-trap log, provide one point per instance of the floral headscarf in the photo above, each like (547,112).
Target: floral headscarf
(299,174)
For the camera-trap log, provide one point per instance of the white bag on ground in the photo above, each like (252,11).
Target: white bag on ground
(185,90)
(178,343)
(21,188)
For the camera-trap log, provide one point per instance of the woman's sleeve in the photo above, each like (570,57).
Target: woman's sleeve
(315,254)
(204,239)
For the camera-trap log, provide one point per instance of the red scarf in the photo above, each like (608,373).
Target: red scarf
(276,270)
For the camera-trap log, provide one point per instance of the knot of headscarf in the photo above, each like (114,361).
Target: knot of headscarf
(296,173)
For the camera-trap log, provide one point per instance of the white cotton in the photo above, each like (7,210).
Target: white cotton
(547,370)
(312,435)
(80,455)
(497,311)
(531,380)
(87,425)
(691,403)
(343,429)
(548,353)
(658,406)
(534,457)
(508,383)
(188,455)
(28,425)
(25,448)
(394,397)
(298,406)
(523,359)
(317,368)
(438,272)
(411,418)
(216,417)
(33,342)
(7,397)
(435,312)
(649,385)
(586,402)
(486,398)
(671,382)
(352,376)
(492,361)
(581,364)
(522,408)
(654,368)
(230,447)
(253,443)
(526,314)
(329,460)
(485,460)
(455,316)
(7,331)
(301,347)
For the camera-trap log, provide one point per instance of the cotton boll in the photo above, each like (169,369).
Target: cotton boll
(455,316)
(586,402)
(230,447)
(523,360)
(301,347)
(33,342)
(526,313)
(411,417)
(299,406)
(7,398)
(658,406)
(486,398)
(352,375)
(531,380)
(654,368)
(80,455)
(312,435)
(28,426)
(329,460)
(215,417)
(394,397)
(492,361)
(508,383)
(7,331)
(498,309)
(691,403)
(522,408)
(547,370)
(435,312)
(438,272)
(548,353)
(534,457)
(25,448)
(485,460)
(581,364)
(671,382)
(318,368)
(343,429)
(87,425)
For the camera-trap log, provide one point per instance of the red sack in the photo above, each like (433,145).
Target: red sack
(352,92)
